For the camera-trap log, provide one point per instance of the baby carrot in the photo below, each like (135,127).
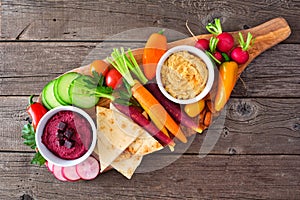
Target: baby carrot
(155,47)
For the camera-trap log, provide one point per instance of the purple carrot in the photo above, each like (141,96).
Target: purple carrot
(134,113)
(172,108)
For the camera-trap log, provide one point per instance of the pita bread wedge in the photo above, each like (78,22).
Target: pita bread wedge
(115,134)
(127,166)
(144,144)
(131,157)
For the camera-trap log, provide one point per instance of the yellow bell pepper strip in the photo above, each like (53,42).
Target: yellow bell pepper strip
(228,72)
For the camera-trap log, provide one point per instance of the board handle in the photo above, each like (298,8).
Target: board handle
(266,36)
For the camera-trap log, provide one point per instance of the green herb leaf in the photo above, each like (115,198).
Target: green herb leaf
(38,159)
(29,139)
(101,80)
(124,102)
(29,136)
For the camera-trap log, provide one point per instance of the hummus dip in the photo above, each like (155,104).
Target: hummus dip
(57,138)
(184,75)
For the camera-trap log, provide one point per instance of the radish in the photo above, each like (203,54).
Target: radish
(57,172)
(226,41)
(50,166)
(70,173)
(88,169)
(213,53)
(240,54)
(202,44)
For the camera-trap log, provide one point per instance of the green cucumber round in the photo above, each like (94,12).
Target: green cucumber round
(48,97)
(61,87)
(81,95)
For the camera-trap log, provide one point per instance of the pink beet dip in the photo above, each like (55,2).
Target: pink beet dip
(60,143)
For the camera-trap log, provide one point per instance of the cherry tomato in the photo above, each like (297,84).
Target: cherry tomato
(113,78)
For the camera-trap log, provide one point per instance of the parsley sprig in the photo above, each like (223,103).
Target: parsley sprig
(28,134)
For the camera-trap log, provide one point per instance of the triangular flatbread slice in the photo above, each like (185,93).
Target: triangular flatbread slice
(127,166)
(115,134)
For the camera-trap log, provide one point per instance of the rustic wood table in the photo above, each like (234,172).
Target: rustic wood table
(257,155)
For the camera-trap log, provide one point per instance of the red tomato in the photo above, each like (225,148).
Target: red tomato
(113,78)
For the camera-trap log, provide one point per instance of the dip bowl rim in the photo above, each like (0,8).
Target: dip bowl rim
(196,52)
(51,157)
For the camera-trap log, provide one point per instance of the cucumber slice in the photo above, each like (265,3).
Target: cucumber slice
(44,102)
(48,97)
(61,87)
(81,95)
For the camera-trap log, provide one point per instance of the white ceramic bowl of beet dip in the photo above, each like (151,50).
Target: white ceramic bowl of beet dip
(196,54)
(66,136)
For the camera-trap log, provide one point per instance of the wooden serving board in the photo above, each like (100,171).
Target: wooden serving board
(266,36)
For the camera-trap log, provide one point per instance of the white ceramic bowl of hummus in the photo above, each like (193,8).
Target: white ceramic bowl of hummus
(185,74)
(66,136)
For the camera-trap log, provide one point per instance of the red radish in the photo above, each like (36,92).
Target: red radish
(50,166)
(240,54)
(57,172)
(213,53)
(202,44)
(70,173)
(88,169)
(226,41)
(218,56)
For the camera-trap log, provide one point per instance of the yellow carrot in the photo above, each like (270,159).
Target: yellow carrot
(152,106)
(157,123)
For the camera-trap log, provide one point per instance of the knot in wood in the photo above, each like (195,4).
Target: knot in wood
(232,151)
(225,132)
(244,109)
(26,197)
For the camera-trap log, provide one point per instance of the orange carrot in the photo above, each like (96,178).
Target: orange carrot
(151,105)
(155,47)
(207,118)
(227,77)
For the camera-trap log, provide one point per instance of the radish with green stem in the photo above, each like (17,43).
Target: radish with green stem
(240,54)
(226,41)
(202,44)
(213,53)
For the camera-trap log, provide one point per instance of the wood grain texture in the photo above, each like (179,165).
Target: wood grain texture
(27,67)
(97,20)
(214,177)
(272,127)
(253,154)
